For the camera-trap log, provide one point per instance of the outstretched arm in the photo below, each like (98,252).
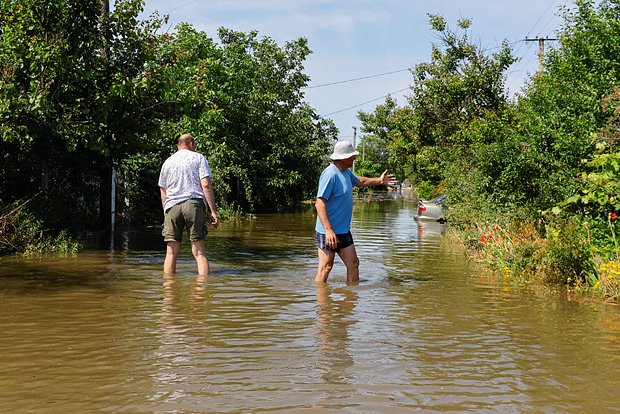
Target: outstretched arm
(383,179)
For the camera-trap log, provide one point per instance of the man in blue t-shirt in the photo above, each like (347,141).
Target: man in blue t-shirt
(334,207)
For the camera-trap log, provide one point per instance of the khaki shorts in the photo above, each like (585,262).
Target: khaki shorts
(189,215)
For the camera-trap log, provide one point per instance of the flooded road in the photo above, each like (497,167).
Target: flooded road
(423,331)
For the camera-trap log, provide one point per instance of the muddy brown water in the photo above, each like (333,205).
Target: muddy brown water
(424,332)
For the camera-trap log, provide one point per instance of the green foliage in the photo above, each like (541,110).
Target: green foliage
(137,188)
(598,183)
(459,85)
(509,247)
(73,96)
(558,253)
(561,111)
(599,193)
(567,255)
(508,161)
(392,143)
(373,158)
(244,104)
(103,103)
(81,92)
(273,139)
(425,190)
(62,244)
(22,232)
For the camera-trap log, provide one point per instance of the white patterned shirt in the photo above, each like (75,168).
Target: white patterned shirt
(180,176)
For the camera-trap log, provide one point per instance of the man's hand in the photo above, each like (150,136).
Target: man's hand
(214,220)
(330,239)
(387,179)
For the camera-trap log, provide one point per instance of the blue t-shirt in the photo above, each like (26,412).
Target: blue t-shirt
(336,187)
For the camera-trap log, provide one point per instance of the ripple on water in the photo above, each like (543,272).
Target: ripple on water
(107,332)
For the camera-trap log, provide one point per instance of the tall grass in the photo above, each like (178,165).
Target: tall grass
(580,254)
(22,233)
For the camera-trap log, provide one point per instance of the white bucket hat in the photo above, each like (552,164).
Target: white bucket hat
(343,150)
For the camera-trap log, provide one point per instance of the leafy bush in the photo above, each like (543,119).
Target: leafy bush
(22,232)
(566,256)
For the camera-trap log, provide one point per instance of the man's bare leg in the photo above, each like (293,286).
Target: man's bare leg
(351,261)
(326,263)
(198,250)
(173,248)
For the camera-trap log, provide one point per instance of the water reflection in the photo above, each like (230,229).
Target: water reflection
(335,317)
(424,332)
(171,293)
(182,340)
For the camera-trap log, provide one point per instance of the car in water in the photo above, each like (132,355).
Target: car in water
(432,210)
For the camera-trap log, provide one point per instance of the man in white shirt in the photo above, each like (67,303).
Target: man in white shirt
(186,191)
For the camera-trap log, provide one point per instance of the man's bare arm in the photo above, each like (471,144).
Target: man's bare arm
(384,179)
(321,211)
(207,189)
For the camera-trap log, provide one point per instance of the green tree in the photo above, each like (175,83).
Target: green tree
(561,111)
(433,137)
(275,141)
(459,85)
(393,143)
(373,158)
(244,102)
(73,96)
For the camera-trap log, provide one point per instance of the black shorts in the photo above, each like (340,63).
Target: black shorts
(344,240)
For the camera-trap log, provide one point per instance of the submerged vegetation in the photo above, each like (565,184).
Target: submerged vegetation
(21,231)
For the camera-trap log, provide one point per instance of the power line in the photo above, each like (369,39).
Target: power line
(517,73)
(548,23)
(356,79)
(389,73)
(364,103)
(397,71)
(523,65)
(181,6)
(517,50)
(543,15)
(500,46)
(383,74)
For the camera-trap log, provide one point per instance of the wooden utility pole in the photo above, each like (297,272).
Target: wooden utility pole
(363,146)
(354,143)
(541,49)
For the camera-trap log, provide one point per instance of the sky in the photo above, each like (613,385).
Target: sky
(363,49)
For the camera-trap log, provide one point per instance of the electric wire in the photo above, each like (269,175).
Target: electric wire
(541,16)
(367,102)
(520,42)
(181,6)
(524,64)
(356,79)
